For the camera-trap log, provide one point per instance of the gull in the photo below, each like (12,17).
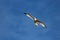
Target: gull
(35,20)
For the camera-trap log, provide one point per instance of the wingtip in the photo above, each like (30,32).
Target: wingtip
(45,27)
(24,13)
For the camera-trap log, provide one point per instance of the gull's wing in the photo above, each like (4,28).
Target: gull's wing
(42,24)
(30,16)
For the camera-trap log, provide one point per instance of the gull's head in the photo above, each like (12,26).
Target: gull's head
(35,18)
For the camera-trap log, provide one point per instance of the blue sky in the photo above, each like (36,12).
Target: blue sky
(14,25)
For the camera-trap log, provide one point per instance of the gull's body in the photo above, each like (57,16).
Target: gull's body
(36,21)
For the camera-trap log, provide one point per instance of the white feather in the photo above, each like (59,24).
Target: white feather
(36,24)
(42,24)
(30,16)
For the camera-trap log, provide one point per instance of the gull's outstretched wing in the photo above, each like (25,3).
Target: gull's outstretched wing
(42,24)
(30,16)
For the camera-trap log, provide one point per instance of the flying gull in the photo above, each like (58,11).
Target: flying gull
(36,21)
